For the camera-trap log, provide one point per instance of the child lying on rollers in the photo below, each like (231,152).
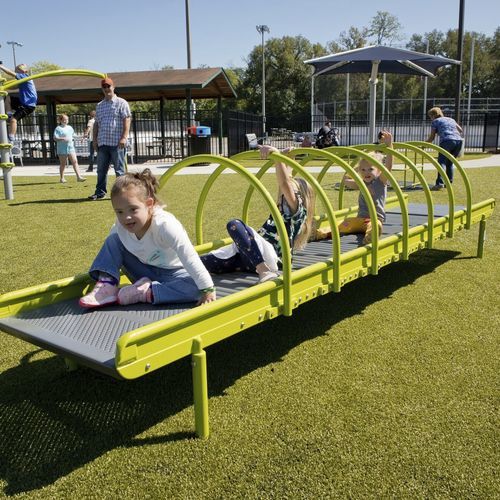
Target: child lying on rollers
(376,182)
(260,251)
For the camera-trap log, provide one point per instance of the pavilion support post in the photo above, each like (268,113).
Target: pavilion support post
(162,127)
(219,117)
(373,101)
(52,123)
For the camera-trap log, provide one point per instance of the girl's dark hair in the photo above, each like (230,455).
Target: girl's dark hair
(145,182)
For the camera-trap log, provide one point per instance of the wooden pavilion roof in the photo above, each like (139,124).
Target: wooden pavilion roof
(205,83)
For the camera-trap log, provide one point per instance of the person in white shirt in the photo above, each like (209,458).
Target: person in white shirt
(153,249)
(89,134)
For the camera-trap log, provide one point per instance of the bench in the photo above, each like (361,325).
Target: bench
(252,141)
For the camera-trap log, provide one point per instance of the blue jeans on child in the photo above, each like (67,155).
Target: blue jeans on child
(246,259)
(107,155)
(453,147)
(169,285)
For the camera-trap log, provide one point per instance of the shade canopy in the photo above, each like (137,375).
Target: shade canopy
(391,60)
(379,59)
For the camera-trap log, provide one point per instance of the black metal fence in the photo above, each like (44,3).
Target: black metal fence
(152,138)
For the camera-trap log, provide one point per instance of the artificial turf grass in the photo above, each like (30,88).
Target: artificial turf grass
(368,392)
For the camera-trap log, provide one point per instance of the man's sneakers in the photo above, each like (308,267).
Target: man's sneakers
(103,294)
(140,291)
(437,187)
(95,197)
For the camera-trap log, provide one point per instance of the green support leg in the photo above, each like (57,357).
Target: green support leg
(71,365)
(200,390)
(482,238)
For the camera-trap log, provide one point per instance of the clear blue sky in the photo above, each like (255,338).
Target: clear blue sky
(126,35)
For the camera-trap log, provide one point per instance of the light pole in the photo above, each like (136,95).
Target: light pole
(262,28)
(14,45)
(460,43)
(189,113)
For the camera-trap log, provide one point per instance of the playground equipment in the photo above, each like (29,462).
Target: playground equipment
(5,147)
(129,342)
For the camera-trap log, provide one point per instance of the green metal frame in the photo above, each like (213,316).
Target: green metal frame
(4,87)
(153,346)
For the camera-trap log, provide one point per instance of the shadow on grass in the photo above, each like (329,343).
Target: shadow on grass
(53,422)
(56,201)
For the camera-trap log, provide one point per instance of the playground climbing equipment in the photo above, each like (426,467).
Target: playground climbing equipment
(5,146)
(132,341)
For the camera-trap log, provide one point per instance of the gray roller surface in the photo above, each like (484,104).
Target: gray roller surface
(91,335)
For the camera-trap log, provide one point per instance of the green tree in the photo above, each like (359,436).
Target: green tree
(384,27)
(353,38)
(288,79)
(43,66)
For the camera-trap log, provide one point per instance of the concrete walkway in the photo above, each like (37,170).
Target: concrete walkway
(160,168)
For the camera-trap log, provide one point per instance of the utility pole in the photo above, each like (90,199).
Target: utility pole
(460,41)
(262,28)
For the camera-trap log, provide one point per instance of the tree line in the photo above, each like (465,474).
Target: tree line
(288,79)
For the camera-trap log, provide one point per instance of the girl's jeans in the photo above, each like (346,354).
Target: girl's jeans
(453,147)
(248,256)
(169,285)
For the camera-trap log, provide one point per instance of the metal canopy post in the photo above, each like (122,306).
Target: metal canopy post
(373,100)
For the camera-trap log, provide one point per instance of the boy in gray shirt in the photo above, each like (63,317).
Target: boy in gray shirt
(376,182)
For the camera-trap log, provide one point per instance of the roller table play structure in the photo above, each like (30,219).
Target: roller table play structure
(132,341)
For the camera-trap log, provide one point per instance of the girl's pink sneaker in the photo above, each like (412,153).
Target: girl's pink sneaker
(103,294)
(140,291)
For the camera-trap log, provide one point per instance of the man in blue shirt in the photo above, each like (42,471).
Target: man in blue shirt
(27,97)
(110,135)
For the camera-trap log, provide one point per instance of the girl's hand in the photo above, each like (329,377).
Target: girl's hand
(266,150)
(206,298)
(386,138)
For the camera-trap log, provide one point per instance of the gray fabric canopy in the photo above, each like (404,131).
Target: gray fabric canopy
(379,59)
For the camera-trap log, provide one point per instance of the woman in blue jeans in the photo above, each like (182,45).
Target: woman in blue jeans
(450,138)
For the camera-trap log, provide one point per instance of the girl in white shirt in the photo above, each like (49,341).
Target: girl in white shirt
(153,249)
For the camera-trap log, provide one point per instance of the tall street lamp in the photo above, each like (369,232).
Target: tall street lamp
(14,45)
(460,46)
(262,28)
(189,112)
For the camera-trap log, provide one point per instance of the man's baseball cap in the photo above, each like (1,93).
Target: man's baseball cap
(107,81)
(22,67)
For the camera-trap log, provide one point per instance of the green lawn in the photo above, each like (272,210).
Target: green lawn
(388,389)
